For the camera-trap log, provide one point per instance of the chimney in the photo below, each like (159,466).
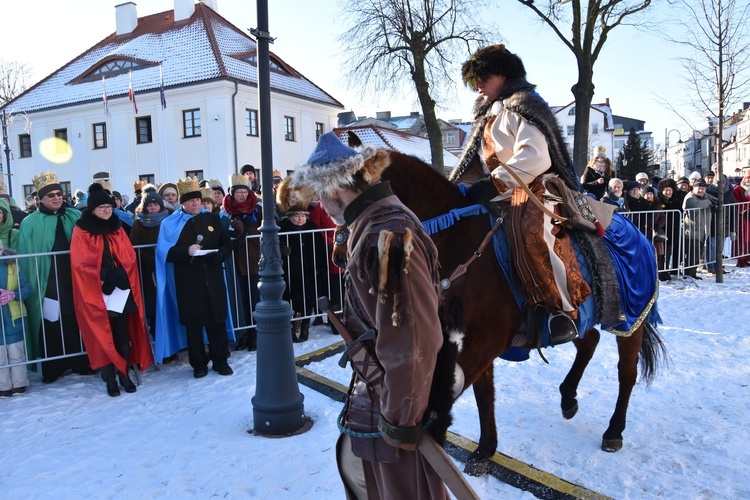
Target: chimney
(414,114)
(126,18)
(607,102)
(183,9)
(383,115)
(211,4)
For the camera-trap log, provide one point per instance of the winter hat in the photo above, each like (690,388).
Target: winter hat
(297,210)
(700,184)
(683,180)
(648,189)
(98,196)
(641,175)
(116,195)
(489,61)
(695,175)
(151,197)
(332,165)
(633,185)
(247,168)
(667,183)
(710,173)
(168,185)
(216,186)
(148,187)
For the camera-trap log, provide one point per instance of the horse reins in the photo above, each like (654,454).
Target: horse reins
(462,268)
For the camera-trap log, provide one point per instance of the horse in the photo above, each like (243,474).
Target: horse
(481,304)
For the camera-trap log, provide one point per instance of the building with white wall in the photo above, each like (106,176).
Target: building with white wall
(208,126)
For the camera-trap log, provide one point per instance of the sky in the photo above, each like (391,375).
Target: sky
(636,69)
(180,437)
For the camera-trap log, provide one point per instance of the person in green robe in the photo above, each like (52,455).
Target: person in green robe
(53,330)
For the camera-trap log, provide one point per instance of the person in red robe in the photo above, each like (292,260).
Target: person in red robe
(741,194)
(103,260)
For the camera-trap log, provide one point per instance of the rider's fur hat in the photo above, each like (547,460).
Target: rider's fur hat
(489,61)
(331,166)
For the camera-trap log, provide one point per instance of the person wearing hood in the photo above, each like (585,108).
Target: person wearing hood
(14,288)
(168,192)
(596,176)
(104,265)
(148,218)
(8,233)
(614,195)
(15,211)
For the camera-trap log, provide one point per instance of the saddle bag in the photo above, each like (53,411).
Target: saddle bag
(583,212)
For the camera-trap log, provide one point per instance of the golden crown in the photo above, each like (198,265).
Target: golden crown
(188,185)
(105,184)
(207,192)
(239,180)
(215,183)
(44,179)
(138,185)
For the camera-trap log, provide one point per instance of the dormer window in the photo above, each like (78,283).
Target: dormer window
(273,65)
(572,112)
(115,67)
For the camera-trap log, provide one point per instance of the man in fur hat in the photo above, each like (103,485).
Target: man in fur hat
(519,142)
(391,288)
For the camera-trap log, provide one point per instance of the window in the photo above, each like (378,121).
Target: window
(147,177)
(24,142)
(251,122)
(572,112)
(571,129)
(100,135)
(595,128)
(194,173)
(67,193)
(61,146)
(115,67)
(288,128)
(272,64)
(191,123)
(619,144)
(143,130)
(319,130)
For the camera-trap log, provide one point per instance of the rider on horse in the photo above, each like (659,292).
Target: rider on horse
(518,140)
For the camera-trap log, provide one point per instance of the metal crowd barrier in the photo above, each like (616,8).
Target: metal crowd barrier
(665,228)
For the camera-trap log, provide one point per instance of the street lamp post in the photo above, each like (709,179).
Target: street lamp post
(278,408)
(666,147)
(7,153)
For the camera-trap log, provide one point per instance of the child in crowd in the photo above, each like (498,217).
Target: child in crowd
(13,288)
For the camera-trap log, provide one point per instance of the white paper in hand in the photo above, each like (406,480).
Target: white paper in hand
(116,301)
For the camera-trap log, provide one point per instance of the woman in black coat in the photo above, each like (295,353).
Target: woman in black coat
(669,201)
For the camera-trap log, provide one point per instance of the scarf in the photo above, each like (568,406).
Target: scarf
(234,207)
(152,220)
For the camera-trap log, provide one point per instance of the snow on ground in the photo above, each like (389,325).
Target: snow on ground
(179,437)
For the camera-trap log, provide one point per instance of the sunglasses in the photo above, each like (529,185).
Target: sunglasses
(57,194)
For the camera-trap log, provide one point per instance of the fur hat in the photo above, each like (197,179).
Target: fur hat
(489,61)
(151,197)
(331,166)
(683,180)
(667,183)
(297,210)
(98,196)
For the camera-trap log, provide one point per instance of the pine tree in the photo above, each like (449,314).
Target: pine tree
(633,158)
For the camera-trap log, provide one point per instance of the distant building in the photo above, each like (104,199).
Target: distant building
(209,127)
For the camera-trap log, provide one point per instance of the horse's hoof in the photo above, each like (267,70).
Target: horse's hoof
(570,412)
(477,467)
(611,445)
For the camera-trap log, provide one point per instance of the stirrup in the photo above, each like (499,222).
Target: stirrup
(564,328)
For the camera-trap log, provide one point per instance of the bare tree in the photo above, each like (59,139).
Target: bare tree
(392,40)
(14,79)
(590,24)
(717,70)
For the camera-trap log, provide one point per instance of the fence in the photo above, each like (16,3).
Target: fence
(666,229)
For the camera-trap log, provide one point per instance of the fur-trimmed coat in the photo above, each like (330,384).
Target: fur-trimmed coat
(391,284)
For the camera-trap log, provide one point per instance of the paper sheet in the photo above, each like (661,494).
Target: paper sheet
(200,252)
(51,309)
(116,301)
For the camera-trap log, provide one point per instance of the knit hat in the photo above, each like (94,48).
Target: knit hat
(683,180)
(695,175)
(641,175)
(148,187)
(151,197)
(332,165)
(247,168)
(700,184)
(216,186)
(116,195)
(710,173)
(98,196)
(297,210)
(633,185)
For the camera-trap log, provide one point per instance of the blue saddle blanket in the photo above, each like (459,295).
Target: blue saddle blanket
(635,267)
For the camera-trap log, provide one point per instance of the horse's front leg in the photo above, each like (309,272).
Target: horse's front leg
(568,389)
(484,393)
(627,372)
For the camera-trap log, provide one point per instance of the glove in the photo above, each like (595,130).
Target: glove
(238,226)
(214,257)
(286,251)
(116,277)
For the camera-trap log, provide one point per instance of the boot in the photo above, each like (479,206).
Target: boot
(562,329)
(304,330)
(126,383)
(241,344)
(112,388)
(296,328)
(294,335)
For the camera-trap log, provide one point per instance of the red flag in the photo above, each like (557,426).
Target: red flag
(131,94)
(104,97)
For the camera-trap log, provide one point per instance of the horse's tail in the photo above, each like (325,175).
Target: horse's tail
(653,352)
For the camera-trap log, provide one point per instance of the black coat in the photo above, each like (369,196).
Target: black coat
(303,255)
(199,281)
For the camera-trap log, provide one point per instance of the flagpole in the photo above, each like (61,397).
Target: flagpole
(163,99)
(106,128)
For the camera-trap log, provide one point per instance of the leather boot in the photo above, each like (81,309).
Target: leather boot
(562,329)
(126,383)
(112,388)
(304,330)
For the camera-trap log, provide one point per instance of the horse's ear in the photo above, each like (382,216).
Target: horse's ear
(354,140)
(375,164)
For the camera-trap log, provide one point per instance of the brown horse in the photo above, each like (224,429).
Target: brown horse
(481,304)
